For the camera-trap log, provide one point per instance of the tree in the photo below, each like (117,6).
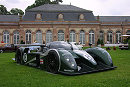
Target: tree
(16,11)
(3,10)
(42,2)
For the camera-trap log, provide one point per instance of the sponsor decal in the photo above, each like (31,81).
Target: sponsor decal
(41,61)
(31,60)
(68,70)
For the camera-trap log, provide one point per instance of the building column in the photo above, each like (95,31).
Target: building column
(22,35)
(33,37)
(67,34)
(105,38)
(77,37)
(87,39)
(44,37)
(11,38)
(0,37)
(114,37)
(54,34)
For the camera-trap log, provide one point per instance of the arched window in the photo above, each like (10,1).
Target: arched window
(6,37)
(82,37)
(48,36)
(60,17)
(16,37)
(28,37)
(60,35)
(38,16)
(39,36)
(109,37)
(91,37)
(101,35)
(72,36)
(118,37)
(81,17)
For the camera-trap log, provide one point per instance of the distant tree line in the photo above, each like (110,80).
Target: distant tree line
(42,2)
(13,11)
(16,11)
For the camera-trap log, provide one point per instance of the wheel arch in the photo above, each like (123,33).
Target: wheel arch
(100,54)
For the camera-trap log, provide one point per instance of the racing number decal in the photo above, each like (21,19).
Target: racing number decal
(25,57)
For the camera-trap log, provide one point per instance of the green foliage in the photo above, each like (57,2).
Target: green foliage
(98,42)
(16,11)
(42,2)
(15,75)
(102,43)
(129,44)
(3,10)
(125,41)
(22,42)
(13,11)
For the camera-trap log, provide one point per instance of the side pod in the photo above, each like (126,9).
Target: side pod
(100,55)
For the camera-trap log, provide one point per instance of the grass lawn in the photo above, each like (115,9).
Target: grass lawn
(14,75)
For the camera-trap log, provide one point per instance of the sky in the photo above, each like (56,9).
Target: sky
(99,7)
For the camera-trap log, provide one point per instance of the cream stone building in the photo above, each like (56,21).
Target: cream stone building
(54,22)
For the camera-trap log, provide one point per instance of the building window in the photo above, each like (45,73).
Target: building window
(60,17)
(118,37)
(109,37)
(28,37)
(101,37)
(39,36)
(60,35)
(48,36)
(81,17)
(38,16)
(82,37)
(16,37)
(91,37)
(6,37)
(72,36)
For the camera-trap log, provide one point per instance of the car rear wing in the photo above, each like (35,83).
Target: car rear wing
(26,45)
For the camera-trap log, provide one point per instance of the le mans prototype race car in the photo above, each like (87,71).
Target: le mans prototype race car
(66,58)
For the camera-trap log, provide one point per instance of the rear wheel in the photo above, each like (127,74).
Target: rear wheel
(52,62)
(18,57)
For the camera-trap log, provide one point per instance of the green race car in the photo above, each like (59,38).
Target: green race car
(66,58)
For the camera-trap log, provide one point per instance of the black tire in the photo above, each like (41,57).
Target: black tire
(52,62)
(18,57)
(37,60)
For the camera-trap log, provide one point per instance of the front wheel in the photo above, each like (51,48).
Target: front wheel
(52,62)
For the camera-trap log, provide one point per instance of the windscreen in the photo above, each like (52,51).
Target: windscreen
(60,45)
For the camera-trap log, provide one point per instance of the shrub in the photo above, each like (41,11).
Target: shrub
(22,42)
(102,43)
(125,41)
(98,42)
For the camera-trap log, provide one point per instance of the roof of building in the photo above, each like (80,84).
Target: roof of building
(113,18)
(9,18)
(50,12)
(53,16)
(58,8)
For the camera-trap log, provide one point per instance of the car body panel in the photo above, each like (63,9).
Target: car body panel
(66,58)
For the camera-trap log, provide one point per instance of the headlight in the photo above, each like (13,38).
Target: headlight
(70,60)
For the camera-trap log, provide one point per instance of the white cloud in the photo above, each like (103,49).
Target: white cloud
(99,7)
